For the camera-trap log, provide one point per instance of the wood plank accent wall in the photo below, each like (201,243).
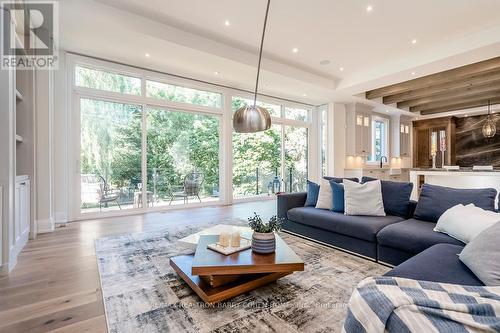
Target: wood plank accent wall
(472,148)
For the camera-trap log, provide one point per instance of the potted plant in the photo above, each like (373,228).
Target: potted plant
(263,239)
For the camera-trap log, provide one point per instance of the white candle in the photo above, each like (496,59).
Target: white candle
(224,238)
(235,239)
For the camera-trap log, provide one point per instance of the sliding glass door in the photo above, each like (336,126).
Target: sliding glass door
(110,154)
(182,157)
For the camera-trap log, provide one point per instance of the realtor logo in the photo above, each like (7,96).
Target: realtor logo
(29,34)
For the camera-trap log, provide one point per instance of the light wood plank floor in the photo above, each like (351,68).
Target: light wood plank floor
(55,284)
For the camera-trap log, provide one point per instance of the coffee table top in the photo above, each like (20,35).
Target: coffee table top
(209,262)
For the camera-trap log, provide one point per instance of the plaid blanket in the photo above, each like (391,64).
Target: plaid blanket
(388,304)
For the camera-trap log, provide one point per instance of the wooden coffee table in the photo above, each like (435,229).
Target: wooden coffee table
(216,277)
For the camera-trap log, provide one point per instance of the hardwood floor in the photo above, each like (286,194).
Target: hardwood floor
(55,285)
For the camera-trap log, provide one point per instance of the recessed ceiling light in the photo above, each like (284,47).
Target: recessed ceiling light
(414,41)
(295,50)
(216,73)
(147,55)
(413,73)
(227,23)
(341,69)
(387,111)
(369,8)
(304,95)
(324,62)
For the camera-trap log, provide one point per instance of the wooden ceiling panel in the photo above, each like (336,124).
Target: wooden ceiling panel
(468,85)
(454,95)
(457,85)
(462,106)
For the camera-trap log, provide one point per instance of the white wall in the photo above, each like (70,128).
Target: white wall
(336,139)
(60,143)
(44,221)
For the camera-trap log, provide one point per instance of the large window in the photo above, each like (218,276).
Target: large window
(110,154)
(182,157)
(380,138)
(180,94)
(102,80)
(296,140)
(147,143)
(258,158)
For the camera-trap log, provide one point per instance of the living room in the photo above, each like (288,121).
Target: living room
(260,166)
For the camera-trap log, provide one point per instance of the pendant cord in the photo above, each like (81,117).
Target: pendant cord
(260,54)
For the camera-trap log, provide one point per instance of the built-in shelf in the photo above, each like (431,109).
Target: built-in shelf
(19,138)
(19,96)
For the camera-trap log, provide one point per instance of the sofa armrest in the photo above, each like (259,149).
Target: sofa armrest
(289,201)
(411,208)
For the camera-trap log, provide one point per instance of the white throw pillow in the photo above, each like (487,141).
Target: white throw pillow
(363,199)
(465,222)
(325,195)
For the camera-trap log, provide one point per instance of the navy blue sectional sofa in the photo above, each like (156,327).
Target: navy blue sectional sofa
(407,242)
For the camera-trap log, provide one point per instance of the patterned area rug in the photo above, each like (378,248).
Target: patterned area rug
(143,294)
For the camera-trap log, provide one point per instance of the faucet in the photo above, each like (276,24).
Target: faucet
(382,161)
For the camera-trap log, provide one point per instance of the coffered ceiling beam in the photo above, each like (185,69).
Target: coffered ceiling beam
(486,66)
(454,95)
(461,106)
(469,82)
(442,104)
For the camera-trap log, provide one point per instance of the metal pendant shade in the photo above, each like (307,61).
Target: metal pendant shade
(251,119)
(489,127)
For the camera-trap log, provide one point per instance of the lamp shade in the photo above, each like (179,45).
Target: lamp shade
(489,128)
(250,119)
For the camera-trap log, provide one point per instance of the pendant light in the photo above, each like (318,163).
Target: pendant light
(253,118)
(489,127)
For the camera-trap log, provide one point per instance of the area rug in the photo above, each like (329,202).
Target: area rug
(142,293)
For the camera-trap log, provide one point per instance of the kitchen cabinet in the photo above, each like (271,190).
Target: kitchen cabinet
(358,133)
(404,139)
(22,217)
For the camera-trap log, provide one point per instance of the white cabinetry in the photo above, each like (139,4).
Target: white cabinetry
(21,228)
(404,138)
(358,130)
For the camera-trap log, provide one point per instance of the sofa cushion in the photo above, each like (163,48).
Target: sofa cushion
(413,236)
(439,263)
(312,194)
(435,200)
(396,196)
(362,227)
(338,194)
(325,195)
(482,255)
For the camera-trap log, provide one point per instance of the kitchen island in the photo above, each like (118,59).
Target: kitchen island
(463,178)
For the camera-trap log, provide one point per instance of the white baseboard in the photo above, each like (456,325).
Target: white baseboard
(45,225)
(60,218)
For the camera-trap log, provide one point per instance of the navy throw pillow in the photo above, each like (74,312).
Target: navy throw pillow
(395,195)
(337,196)
(340,180)
(435,200)
(312,194)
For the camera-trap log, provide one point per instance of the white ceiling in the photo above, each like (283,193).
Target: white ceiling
(189,37)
